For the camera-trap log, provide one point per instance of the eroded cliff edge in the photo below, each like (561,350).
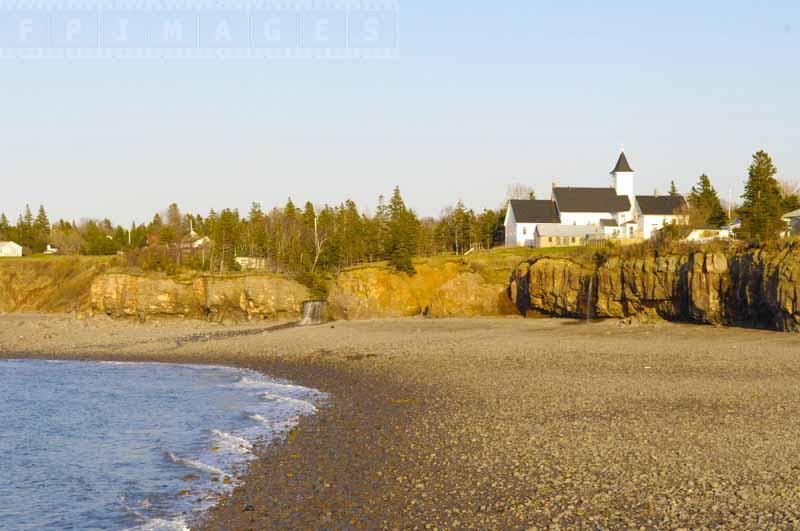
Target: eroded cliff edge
(758,287)
(87,286)
(206,297)
(450,289)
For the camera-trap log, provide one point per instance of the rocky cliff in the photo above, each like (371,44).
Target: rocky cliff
(215,298)
(750,287)
(48,285)
(451,289)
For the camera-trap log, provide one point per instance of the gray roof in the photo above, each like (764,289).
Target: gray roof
(590,200)
(622,164)
(792,214)
(660,205)
(556,229)
(609,223)
(534,211)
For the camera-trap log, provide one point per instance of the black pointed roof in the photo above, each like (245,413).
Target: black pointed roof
(622,164)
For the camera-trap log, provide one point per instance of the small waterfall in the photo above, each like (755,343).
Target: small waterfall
(314,312)
(589,298)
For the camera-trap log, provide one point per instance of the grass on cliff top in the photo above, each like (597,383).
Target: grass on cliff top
(50,258)
(48,284)
(494,265)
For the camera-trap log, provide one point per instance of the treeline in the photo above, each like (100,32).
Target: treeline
(765,201)
(305,241)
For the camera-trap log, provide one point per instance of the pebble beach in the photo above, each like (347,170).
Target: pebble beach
(493,423)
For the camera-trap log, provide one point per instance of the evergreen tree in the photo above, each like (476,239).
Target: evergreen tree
(42,224)
(290,210)
(40,234)
(403,232)
(486,226)
(5,227)
(308,214)
(762,205)
(673,190)
(706,205)
(225,238)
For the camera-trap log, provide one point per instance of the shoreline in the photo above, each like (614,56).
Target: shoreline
(309,370)
(493,423)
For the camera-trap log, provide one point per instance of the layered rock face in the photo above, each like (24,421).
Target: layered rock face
(756,287)
(47,286)
(446,291)
(126,295)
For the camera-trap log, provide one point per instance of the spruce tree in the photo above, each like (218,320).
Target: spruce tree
(403,232)
(5,227)
(41,231)
(706,203)
(290,210)
(673,190)
(309,215)
(762,207)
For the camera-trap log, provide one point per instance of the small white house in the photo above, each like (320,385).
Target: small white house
(656,211)
(792,220)
(251,263)
(10,249)
(522,217)
(707,234)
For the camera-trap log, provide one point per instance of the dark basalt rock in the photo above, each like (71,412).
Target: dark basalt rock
(756,287)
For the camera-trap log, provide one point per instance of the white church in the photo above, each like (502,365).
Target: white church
(572,215)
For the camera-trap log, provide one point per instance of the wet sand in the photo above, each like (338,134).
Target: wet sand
(494,423)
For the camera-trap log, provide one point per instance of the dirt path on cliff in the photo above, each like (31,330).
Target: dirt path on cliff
(496,423)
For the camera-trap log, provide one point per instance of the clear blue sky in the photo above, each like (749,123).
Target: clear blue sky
(482,94)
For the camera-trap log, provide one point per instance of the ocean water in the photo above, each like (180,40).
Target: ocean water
(117,446)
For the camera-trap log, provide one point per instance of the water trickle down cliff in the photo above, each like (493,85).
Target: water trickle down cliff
(756,287)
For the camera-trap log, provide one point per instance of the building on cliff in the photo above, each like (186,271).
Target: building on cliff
(792,220)
(10,249)
(599,213)
(522,217)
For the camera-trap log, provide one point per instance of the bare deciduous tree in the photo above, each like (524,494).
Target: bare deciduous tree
(520,191)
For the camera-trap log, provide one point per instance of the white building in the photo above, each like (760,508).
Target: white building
(523,216)
(707,234)
(792,220)
(655,211)
(8,249)
(251,263)
(610,212)
(589,206)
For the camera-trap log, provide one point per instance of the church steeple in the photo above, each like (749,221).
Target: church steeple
(622,177)
(622,165)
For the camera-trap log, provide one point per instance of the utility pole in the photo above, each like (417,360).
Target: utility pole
(730,204)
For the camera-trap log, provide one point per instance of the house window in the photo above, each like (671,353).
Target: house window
(524,231)
(572,240)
